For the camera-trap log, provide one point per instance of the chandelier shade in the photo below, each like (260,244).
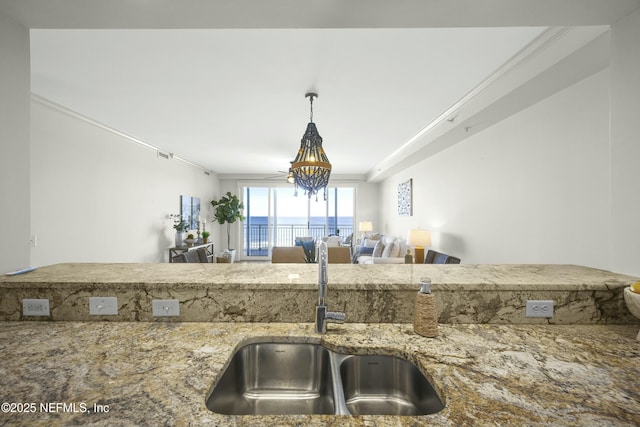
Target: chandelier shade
(311,168)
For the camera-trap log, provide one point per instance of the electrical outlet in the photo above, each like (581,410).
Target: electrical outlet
(106,306)
(539,308)
(35,307)
(165,307)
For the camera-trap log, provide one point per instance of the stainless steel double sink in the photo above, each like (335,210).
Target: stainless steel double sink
(302,378)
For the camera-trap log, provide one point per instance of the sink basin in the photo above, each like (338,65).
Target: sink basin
(301,378)
(386,385)
(271,378)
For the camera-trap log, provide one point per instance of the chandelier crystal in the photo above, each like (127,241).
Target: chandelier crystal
(311,168)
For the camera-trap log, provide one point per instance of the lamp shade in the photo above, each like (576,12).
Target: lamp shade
(418,237)
(365,226)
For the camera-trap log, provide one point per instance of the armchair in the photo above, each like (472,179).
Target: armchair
(435,257)
(339,254)
(287,255)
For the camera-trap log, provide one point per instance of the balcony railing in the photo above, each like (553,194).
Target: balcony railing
(256,237)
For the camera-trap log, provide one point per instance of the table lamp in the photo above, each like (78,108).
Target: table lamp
(419,238)
(365,227)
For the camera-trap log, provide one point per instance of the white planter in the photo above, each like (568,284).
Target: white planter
(179,239)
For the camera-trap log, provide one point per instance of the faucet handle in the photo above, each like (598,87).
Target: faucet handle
(336,316)
(323,317)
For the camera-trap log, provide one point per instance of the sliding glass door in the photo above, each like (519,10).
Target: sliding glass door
(258,218)
(275,217)
(340,211)
(291,217)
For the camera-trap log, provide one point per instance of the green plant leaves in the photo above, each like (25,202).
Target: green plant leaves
(228,209)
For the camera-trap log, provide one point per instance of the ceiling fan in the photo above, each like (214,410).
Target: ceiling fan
(282,175)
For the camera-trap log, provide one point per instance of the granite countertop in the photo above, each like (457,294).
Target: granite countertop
(345,276)
(159,373)
(263,292)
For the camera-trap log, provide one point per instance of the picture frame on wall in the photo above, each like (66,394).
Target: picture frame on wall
(405,198)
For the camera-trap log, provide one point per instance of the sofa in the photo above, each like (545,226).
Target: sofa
(381,249)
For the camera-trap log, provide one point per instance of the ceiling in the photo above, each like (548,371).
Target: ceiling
(228,95)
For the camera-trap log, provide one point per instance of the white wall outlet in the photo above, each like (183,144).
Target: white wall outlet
(165,307)
(539,308)
(105,306)
(35,307)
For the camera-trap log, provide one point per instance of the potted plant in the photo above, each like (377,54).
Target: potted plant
(181,226)
(190,240)
(309,255)
(227,210)
(205,236)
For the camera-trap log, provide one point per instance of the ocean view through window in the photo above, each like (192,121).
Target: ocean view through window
(275,217)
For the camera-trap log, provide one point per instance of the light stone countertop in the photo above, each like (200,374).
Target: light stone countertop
(263,292)
(159,373)
(344,276)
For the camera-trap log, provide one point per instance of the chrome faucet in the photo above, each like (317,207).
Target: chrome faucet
(323,316)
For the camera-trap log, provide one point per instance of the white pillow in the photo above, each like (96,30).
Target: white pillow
(371,235)
(334,241)
(378,249)
(395,251)
(388,246)
(387,250)
(388,240)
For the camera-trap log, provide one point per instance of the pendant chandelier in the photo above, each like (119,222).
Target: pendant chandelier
(310,169)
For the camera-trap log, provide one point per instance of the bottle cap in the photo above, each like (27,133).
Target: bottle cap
(425,285)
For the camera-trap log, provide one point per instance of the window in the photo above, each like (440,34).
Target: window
(275,217)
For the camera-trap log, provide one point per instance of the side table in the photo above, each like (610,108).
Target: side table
(182,249)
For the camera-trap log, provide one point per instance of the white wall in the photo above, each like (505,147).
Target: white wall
(97,197)
(625,145)
(367,206)
(531,189)
(14,146)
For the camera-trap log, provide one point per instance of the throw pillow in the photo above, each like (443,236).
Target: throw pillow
(372,236)
(333,240)
(388,247)
(365,250)
(387,250)
(378,249)
(369,243)
(395,251)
